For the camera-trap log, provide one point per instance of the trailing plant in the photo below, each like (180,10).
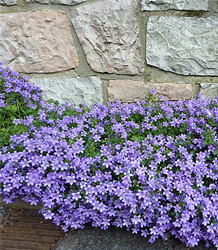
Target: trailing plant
(149,166)
(18,98)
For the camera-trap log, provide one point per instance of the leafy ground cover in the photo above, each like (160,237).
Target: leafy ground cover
(149,166)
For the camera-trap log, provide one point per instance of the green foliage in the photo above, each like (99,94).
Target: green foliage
(16,102)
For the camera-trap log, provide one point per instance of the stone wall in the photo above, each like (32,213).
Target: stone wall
(103,50)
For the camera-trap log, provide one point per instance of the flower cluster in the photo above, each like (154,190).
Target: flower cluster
(18,98)
(148,166)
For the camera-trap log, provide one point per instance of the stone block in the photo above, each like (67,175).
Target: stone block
(8,2)
(129,90)
(183,45)
(37,42)
(78,90)
(173,91)
(126,90)
(64,2)
(209,90)
(109,34)
(158,5)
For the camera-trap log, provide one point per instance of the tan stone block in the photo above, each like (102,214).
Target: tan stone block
(126,90)
(37,42)
(130,90)
(172,91)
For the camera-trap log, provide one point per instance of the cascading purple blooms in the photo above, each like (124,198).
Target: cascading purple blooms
(18,98)
(14,87)
(148,166)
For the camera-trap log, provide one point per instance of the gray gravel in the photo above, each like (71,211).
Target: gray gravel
(117,239)
(4,214)
(113,238)
(3,211)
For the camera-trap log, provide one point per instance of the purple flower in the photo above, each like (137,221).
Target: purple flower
(153,91)
(149,166)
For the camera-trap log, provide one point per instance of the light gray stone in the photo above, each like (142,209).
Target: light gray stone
(209,90)
(183,45)
(157,5)
(37,42)
(65,2)
(78,90)
(8,2)
(109,34)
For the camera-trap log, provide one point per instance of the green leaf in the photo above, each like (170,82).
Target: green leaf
(215,151)
(12,118)
(11,108)
(136,138)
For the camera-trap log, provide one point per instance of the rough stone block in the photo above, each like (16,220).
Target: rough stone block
(78,90)
(129,90)
(109,34)
(173,91)
(37,42)
(126,90)
(65,2)
(8,2)
(209,90)
(157,5)
(183,45)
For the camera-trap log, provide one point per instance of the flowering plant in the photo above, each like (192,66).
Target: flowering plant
(18,98)
(148,166)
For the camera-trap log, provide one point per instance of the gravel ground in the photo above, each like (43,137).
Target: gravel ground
(4,215)
(113,238)
(118,239)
